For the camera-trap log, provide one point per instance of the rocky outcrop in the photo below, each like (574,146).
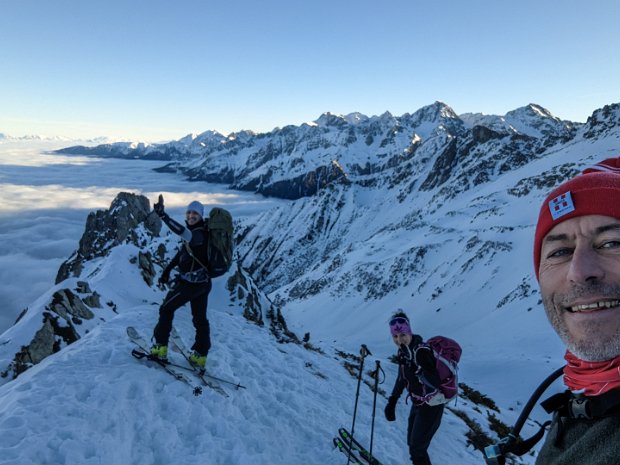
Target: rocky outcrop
(602,120)
(306,185)
(128,216)
(257,307)
(62,318)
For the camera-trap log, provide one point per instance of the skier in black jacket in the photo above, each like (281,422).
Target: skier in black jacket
(418,373)
(192,284)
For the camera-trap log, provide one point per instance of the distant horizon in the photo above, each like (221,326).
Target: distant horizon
(110,139)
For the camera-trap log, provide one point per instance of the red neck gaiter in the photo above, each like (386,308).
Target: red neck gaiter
(591,378)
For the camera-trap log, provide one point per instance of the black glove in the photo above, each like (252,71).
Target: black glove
(165,277)
(159,206)
(390,409)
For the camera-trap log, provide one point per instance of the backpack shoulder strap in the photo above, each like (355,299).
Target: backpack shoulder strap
(570,405)
(421,345)
(189,251)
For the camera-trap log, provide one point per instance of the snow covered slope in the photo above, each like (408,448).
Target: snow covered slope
(93,403)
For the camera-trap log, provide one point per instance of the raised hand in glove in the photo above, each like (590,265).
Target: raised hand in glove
(390,409)
(159,206)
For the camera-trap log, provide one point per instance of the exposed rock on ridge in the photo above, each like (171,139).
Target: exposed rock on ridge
(108,228)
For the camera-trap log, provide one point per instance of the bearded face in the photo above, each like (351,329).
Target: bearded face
(579,278)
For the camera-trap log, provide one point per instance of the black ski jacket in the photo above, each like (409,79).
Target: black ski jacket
(197,244)
(417,371)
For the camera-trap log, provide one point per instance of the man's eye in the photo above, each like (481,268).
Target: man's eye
(610,245)
(563,252)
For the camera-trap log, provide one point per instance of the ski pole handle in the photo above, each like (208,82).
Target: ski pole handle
(364,351)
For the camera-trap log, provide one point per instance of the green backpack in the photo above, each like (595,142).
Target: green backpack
(219,227)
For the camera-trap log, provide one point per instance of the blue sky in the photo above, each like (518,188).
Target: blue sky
(156,70)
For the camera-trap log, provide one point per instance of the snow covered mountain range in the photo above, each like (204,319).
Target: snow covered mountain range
(430,212)
(294,162)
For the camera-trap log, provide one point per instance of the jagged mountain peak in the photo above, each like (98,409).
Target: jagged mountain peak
(430,118)
(243,135)
(208,139)
(435,112)
(329,119)
(356,118)
(603,120)
(536,121)
(535,109)
(530,111)
(531,120)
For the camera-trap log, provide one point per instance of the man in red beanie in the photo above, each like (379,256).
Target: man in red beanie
(577,264)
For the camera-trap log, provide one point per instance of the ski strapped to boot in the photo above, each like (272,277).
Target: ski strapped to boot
(143,353)
(206,378)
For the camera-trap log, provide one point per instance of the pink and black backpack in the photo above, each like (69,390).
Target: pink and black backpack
(447,354)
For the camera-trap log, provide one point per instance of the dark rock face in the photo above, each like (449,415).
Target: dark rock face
(442,169)
(482,134)
(63,315)
(128,220)
(257,307)
(307,184)
(602,120)
(108,228)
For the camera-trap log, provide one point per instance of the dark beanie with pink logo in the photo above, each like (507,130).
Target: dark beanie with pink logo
(596,191)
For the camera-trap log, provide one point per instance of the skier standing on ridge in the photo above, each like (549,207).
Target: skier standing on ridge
(192,285)
(416,366)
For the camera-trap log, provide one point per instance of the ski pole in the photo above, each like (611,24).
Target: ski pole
(374,406)
(363,353)
(232,383)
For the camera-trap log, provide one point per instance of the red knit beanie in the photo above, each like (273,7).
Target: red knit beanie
(596,191)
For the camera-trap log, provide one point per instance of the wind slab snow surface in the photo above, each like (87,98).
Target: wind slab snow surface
(93,403)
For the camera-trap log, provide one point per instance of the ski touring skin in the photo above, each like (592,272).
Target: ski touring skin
(143,353)
(342,447)
(357,448)
(204,376)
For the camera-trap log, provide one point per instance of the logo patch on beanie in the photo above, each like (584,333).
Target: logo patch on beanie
(561,205)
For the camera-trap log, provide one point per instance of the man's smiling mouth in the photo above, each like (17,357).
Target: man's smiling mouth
(602,305)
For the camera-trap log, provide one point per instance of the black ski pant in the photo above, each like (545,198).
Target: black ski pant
(424,421)
(197,294)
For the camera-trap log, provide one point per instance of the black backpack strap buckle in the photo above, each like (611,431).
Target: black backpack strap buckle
(579,407)
(569,405)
